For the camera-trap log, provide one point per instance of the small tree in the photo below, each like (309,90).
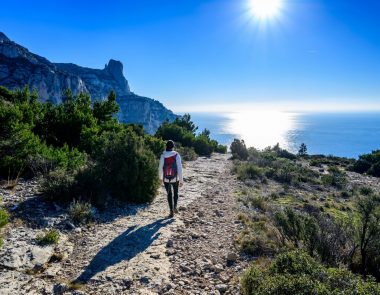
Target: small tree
(302,150)
(239,150)
(368,226)
(186,123)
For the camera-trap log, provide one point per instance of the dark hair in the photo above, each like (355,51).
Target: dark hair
(169,145)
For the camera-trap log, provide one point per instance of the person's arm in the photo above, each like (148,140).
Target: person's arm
(160,169)
(179,168)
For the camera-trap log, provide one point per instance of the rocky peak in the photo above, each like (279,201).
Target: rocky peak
(3,38)
(115,69)
(20,67)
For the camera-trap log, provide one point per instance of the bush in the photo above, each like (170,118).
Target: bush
(295,263)
(202,146)
(80,212)
(279,165)
(336,178)
(296,273)
(375,169)
(302,151)
(187,154)
(368,233)
(368,163)
(182,131)
(4,217)
(366,191)
(221,149)
(51,237)
(50,159)
(258,244)
(247,171)
(259,202)
(126,168)
(171,131)
(259,238)
(239,150)
(292,225)
(156,145)
(59,185)
(361,166)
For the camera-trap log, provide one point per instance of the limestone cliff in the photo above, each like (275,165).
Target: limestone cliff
(20,67)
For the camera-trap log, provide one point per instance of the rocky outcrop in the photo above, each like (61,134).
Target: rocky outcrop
(20,67)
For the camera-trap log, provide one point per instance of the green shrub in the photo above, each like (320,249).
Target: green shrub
(64,123)
(361,166)
(202,146)
(156,145)
(258,244)
(367,229)
(248,170)
(1,242)
(336,178)
(170,131)
(366,191)
(279,165)
(302,151)
(281,153)
(187,153)
(285,174)
(51,237)
(80,212)
(182,131)
(315,163)
(296,273)
(368,163)
(49,159)
(295,263)
(259,202)
(59,185)
(375,169)
(221,149)
(239,149)
(104,111)
(260,237)
(4,217)
(186,123)
(251,280)
(125,167)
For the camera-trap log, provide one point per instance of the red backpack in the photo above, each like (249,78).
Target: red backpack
(170,167)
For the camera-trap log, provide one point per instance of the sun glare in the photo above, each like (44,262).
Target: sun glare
(265,9)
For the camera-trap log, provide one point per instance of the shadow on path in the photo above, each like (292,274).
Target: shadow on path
(124,247)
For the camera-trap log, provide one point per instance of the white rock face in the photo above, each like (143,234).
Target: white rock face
(20,67)
(20,253)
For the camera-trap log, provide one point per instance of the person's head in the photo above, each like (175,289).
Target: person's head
(169,145)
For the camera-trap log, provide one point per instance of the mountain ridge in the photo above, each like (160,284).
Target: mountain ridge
(20,67)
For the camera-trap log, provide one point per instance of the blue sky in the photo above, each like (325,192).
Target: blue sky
(193,54)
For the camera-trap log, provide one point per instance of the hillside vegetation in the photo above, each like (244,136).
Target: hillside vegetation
(80,151)
(311,228)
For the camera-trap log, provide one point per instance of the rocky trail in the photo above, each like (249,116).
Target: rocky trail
(129,249)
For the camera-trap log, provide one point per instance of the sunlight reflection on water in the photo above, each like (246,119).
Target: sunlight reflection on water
(262,128)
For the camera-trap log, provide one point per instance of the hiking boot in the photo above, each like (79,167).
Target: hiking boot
(175,210)
(171,215)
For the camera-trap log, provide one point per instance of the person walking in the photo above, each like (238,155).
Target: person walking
(170,173)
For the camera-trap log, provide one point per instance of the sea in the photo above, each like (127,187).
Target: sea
(340,134)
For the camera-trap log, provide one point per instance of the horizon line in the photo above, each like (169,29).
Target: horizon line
(292,107)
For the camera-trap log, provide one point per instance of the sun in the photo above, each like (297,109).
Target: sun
(265,9)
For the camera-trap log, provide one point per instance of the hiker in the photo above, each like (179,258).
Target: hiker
(170,173)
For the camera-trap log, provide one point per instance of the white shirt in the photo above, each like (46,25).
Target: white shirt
(167,154)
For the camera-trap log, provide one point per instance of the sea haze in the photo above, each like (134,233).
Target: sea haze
(341,134)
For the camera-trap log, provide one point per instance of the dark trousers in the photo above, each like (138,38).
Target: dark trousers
(169,186)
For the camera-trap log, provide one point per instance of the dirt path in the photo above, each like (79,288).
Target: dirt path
(138,250)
